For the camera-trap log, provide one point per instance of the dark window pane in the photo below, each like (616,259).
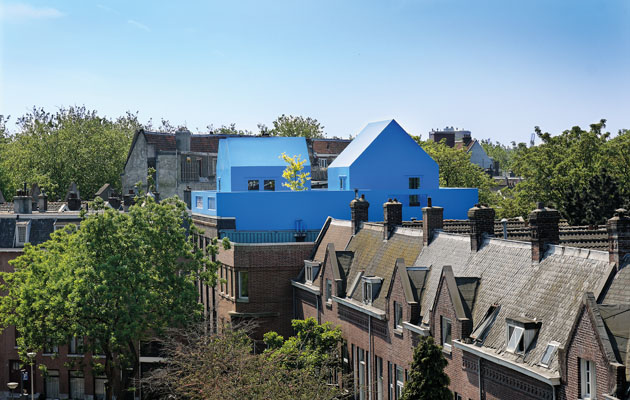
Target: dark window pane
(414,183)
(270,184)
(252,184)
(414,201)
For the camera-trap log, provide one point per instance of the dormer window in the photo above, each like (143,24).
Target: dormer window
(310,271)
(22,233)
(371,286)
(520,334)
(549,352)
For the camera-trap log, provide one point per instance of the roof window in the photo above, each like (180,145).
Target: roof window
(549,352)
(311,270)
(371,287)
(22,233)
(520,334)
(481,331)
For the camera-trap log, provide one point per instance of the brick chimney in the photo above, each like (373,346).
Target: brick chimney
(359,212)
(74,201)
(114,201)
(22,202)
(432,220)
(42,202)
(618,228)
(392,212)
(182,139)
(481,219)
(543,223)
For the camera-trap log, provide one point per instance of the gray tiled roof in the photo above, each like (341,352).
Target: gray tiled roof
(549,292)
(377,257)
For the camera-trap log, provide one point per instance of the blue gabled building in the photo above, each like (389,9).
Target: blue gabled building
(383,162)
(254,163)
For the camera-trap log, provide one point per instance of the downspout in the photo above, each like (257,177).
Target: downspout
(319,317)
(553,390)
(479,375)
(370,358)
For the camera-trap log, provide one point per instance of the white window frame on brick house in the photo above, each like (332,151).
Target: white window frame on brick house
(515,339)
(550,350)
(243,296)
(588,381)
(22,232)
(310,271)
(398,316)
(446,333)
(361,373)
(400,381)
(328,291)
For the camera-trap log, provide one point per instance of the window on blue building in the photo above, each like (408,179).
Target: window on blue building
(342,182)
(199,201)
(414,201)
(252,184)
(414,182)
(212,203)
(270,184)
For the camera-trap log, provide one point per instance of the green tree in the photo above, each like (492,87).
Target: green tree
(205,366)
(456,170)
(314,346)
(427,379)
(74,144)
(289,125)
(295,178)
(114,281)
(576,170)
(228,130)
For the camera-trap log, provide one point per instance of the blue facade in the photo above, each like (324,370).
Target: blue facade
(242,161)
(383,162)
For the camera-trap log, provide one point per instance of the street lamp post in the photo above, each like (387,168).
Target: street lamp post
(31,356)
(12,386)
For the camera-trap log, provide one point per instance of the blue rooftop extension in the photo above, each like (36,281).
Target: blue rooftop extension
(383,162)
(383,156)
(254,163)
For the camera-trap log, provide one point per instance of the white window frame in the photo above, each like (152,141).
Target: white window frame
(328,291)
(308,273)
(514,338)
(398,315)
(588,379)
(446,324)
(361,371)
(367,292)
(323,163)
(380,386)
(24,226)
(550,350)
(199,202)
(239,292)
(400,383)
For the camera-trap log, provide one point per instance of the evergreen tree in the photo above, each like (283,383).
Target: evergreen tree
(427,379)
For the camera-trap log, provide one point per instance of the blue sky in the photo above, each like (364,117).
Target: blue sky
(497,68)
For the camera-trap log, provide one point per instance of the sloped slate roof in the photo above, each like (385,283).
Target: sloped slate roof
(619,290)
(198,143)
(550,292)
(377,257)
(329,146)
(339,233)
(617,320)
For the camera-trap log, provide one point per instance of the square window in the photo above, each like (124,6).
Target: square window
(270,184)
(414,182)
(243,288)
(212,203)
(414,200)
(446,333)
(253,184)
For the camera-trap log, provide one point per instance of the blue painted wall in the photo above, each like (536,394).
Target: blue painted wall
(242,159)
(260,211)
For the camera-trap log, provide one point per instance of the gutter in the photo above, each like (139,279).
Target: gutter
(308,288)
(550,379)
(372,311)
(416,329)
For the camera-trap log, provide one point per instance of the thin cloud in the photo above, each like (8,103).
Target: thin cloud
(138,25)
(23,11)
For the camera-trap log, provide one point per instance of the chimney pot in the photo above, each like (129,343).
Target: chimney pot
(429,202)
(359,213)
(432,220)
(481,221)
(618,228)
(42,202)
(544,230)
(392,213)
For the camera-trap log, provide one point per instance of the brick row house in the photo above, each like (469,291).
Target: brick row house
(516,319)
